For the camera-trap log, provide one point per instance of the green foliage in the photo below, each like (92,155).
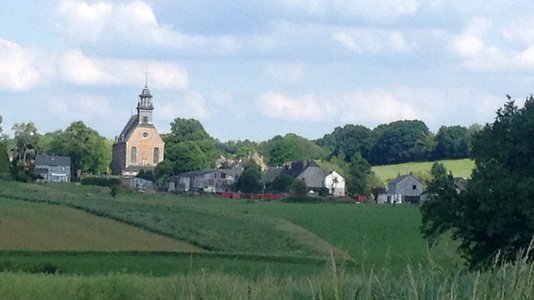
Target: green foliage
(188,147)
(359,179)
(494,217)
(5,166)
(298,188)
(148,175)
(88,150)
(291,147)
(249,180)
(401,141)
(452,143)
(282,183)
(346,141)
(239,149)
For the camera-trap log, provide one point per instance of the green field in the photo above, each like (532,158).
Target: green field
(38,226)
(371,236)
(459,168)
(249,250)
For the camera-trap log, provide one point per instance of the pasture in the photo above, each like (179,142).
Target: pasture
(458,167)
(369,236)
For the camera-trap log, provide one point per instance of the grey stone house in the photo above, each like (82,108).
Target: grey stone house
(405,189)
(51,168)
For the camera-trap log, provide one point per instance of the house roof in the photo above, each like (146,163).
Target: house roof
(271,173)
(43,159)
(401,178)
(314,176)
(207,171)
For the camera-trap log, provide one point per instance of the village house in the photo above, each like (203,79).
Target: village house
(403,189)
(52,168)
(315,176)
(208,180)
(139,145)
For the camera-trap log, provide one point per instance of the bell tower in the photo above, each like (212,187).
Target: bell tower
(145,106)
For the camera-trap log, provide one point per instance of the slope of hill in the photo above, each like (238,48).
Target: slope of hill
(459,168)
(36,226)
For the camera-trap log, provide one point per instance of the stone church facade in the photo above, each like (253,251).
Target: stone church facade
(139,145)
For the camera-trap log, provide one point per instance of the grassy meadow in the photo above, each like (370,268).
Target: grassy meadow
(458,167)
(43,227)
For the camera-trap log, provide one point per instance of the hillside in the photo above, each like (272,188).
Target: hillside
(459,168)
(371,235)
(36,226)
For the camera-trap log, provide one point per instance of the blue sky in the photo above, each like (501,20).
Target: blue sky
(255,69)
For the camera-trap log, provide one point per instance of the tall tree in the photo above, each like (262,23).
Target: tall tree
(359,176)
(249,180)
(187,147)
(290,147)
(87,149)
(452,143)
(26,140)
(347,141)
(401,141)
(494,217)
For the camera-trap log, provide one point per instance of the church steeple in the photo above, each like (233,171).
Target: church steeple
(145,106)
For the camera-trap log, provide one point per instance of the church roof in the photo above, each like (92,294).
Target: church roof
(132,124)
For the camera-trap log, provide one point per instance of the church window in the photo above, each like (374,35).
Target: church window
(156,155)
(133,155)
(145,119)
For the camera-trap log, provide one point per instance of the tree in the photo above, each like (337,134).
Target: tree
(249,180)
(452,142)
(282,183)
(359,176)
(494,217)
(401,141)
(88,150)
(347,141)
(188,147)
(4,158)
(299,188)
(26,146)
(280,150)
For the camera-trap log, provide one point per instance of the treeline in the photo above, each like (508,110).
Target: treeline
(189,147)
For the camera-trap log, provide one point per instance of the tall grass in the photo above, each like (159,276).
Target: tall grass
(508,281)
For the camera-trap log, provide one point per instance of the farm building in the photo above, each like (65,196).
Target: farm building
(209,180)
(52,168)
(403,189)
(312,174)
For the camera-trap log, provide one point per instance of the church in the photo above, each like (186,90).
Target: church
(139,146)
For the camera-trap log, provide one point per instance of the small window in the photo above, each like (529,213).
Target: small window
(156,155)
(414,187)
(133,155)
(145,119)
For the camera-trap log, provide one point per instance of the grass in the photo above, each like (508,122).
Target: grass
(372,236)
(38,226)
(459,168)
(511,281)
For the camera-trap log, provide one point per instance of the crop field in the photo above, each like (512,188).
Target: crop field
(38,226)
(458,167)
(369,236)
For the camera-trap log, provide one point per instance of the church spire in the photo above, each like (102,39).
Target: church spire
(145,105)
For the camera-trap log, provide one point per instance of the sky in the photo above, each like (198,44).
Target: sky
(255,69)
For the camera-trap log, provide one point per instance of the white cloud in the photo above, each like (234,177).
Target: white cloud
(384,12)
(286,73)
(373,40)
(77,68)
(307,108)
(192,105)
(131,22)
(18,67)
